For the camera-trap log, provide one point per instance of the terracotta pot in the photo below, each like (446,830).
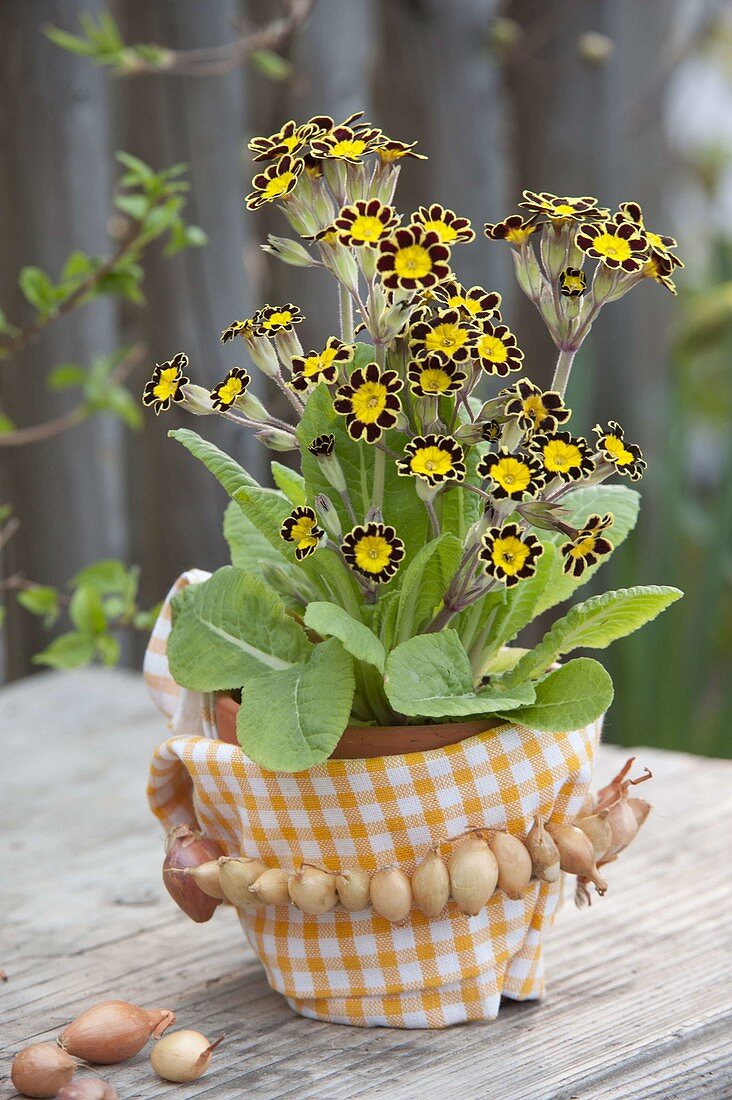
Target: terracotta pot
(367,742)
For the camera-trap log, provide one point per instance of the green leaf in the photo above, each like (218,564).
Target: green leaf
(425,582)
(430,676)
(37,289)
(86,610)
(229,628)
(249,548)
(42,600)
(267,510)
(624,504)
(271,64)
(108,649)
(568,699)
(594,624)
(65,376)
(71,42)
(68,651)
(361,642)
(520,604)
(139,169)
(109,576)
(226,471)
(290,483)
(292,719)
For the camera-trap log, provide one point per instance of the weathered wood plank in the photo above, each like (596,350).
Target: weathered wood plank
(639,1001)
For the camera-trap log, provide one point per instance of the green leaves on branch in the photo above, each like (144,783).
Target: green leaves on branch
(293,718)
(430,676)
(361,642)
(567,699)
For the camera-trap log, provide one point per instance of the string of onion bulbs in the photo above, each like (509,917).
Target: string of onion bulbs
(199,876)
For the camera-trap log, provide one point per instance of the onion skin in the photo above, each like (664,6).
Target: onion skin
(87,1088)
(514,864)
(236,875)
(270,888)
(473,875)
(576,854)
(640,808)
(545,860)
(431,885)
(391,894)
(41,1070)
(353,889)
(597,828)
(186,849)
(623,827)
(312,890)
(113,1031)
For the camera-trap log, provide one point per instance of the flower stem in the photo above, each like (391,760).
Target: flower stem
(377,495)
(563,370)
(346,309)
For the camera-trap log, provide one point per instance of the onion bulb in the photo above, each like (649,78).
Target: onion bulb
(87,1088)
(640,808)
(391,894)
(182,1056)
(270,887)
(623,826)
(575,853)
(543,852)
(206,875)
(236,876)
(187,849)
(113,1031)
(473,875)
(514,863)
(431,885)
(42,1069)
(353,890)
(312,890)
(597,828)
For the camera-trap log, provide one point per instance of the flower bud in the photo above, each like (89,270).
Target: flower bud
(197,400)
(553,249)
(251,406)
(425,491)
(289,251)
(263,355)
(367,260)
(328,516)
(335,172)
(277,440)
(345,267)
(287,344)
(333,471)
(528,273)
(384,183)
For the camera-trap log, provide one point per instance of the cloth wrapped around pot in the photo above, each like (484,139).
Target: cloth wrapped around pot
(357,968)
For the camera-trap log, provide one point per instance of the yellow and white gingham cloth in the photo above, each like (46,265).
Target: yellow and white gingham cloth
(357,968)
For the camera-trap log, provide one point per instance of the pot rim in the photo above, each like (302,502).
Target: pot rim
(368,742)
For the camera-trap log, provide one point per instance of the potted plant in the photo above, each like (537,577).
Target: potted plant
(386,783)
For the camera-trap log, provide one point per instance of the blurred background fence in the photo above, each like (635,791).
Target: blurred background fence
(607,97)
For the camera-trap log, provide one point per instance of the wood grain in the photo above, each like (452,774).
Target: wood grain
(639,1002)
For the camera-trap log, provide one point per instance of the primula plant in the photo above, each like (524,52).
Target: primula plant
(429,523)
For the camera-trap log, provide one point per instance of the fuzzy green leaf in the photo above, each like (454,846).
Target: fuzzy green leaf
(567,699)
(290,483)
(424,584)
(86,610)
(226,471)
(228,629)
(430,676)
(292,719)
(250,550)
(361,642)
(594,624)
(41,600)
(73,650)
(37,289)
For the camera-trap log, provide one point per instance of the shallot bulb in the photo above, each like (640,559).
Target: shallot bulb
(391,894)
(41,1070)
(206,875)
(514,864)
(473,875)
(598,829)
(236,876)
(623,826)
(87,1088)
(353,890)
(182,1056)
(113,1031)
(543,852)
(640,808)
(431,885)
(271,887)
(312,890)
(576,853)
(185,850)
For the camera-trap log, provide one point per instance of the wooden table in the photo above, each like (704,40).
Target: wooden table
(639,1001)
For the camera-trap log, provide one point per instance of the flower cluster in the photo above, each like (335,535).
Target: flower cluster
(400,416)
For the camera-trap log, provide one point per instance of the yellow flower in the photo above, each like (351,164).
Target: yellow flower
(413,259)
(514,229)
(475,302)
(661,245)
(514,476)
(619,245)
(434,458)
(245,329)
(271,319)
(301,527)
(322,446)
(369,402)
(510,554)
(234,386)
(344,143)
(587,546)
(447,334)
(627,458)
(534,409)
(496,349)
(565,208)
(391,150)
(445,223)
(276,182)
(167,384)
(563,455)
(572,282)
(373,550)
(434,376)
(321,366)
(290,138)
(366,222)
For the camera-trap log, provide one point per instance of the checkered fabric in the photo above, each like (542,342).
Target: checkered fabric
(357,968)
